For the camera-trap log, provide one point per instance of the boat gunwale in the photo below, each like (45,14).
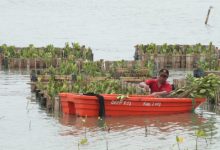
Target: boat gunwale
(133,98)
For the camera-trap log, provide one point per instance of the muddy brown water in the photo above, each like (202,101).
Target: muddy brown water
(25,125)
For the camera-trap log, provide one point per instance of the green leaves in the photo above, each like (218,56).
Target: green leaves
(84,141)
(48,52)
(179,139)
(199,87)
(200,133)
(152,48)
(106,86)
(202,91)
(8,51)
(122,97)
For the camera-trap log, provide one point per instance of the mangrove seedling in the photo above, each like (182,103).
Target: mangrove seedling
(84,140)
(200,134)
(179,140)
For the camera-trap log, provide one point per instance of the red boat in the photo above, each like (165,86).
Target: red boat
(85,105)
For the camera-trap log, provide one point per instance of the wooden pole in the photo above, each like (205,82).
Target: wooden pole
(35,63)
(207,17)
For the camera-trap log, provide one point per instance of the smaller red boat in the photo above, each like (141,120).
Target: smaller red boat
(85,105)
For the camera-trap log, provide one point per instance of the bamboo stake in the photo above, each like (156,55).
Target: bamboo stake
(28,64)
(207,17)
(35,64)
(19,64)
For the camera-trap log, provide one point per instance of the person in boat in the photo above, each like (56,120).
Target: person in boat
(158,87)
(198,72)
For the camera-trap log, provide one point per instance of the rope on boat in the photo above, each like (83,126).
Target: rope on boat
(101,103)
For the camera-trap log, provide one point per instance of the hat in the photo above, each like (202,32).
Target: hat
(164,71)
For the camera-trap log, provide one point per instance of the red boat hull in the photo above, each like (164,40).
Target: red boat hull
(83,105)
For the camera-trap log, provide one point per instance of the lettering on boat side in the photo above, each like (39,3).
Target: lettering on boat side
(152,104)
(128,103)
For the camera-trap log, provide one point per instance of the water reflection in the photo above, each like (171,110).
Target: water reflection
(211,108)
(157,128)
(164,123)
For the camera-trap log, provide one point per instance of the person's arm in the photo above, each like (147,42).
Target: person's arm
(160,94)
(144,85)
(164,93)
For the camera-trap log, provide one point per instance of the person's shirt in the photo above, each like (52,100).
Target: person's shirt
(153,85)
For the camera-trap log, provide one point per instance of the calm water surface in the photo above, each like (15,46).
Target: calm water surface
(110,27)
(25,125)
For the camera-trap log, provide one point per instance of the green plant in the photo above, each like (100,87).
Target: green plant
(122,97)
(179,140)
(200,134)
(8,51)
(67,68)
(92,68)
(198,87)
(84,140)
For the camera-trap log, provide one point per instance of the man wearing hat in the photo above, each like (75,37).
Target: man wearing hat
(158,87)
